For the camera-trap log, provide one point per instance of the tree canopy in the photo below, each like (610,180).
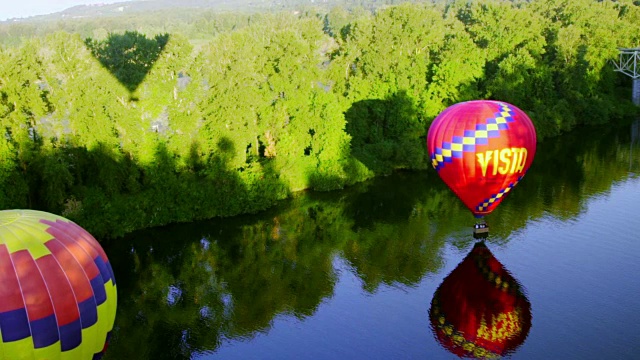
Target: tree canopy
(122,130)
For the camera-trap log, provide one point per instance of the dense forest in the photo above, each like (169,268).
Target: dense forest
(126,127)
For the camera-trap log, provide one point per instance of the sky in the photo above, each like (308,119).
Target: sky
(26,8)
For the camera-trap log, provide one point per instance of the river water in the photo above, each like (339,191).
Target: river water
(388,269)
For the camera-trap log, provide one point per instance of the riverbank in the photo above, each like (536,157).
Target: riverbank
(286,103)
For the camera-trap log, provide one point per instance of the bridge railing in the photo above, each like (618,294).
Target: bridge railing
(629,62)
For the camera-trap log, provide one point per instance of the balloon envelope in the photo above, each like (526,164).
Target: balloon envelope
(480,310)
(57,293)
(481,149)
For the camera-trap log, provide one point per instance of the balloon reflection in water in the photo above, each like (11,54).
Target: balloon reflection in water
(480,310)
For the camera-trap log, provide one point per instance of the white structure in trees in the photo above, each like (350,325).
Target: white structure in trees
(629,64)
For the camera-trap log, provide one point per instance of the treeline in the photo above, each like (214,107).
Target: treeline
(198,20)
(133,130)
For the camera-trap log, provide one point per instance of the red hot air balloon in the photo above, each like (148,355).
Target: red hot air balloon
(480,310)
(481,150)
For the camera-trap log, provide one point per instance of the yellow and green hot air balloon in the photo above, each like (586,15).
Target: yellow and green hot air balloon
(57,289)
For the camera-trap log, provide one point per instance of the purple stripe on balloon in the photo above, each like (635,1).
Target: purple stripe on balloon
(70,335)
(482,141)
(98,290)
(113,276)
(88,312)
(45,332)
(14,325)
(104,270)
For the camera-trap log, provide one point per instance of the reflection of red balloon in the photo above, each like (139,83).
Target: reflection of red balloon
(481,149)
(479,310)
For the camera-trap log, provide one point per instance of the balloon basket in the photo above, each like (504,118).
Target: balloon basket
(480,230)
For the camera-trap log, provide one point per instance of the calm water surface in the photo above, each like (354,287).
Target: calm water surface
(389,270)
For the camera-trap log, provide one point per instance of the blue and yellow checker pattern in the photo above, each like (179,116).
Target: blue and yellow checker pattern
(483,206)
(479,136)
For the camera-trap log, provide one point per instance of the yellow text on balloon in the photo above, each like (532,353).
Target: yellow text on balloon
(503,326)
(504,161)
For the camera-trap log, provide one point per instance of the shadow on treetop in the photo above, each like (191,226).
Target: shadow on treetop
(129,56)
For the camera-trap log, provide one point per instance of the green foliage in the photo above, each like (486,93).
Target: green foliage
(230,113)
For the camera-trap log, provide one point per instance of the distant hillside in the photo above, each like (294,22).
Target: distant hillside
(197,20)
(145,6)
